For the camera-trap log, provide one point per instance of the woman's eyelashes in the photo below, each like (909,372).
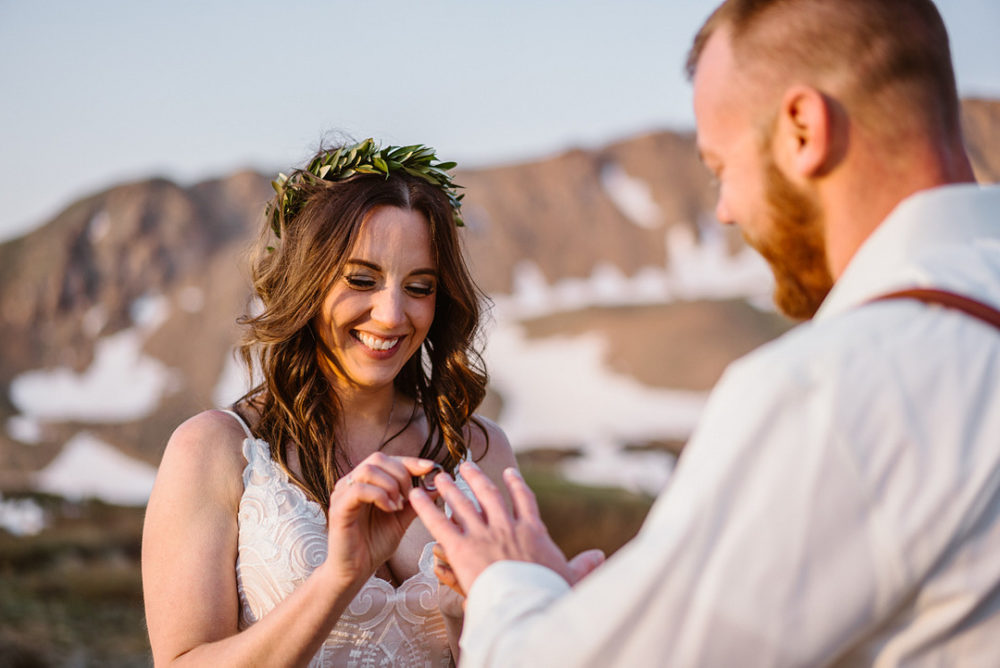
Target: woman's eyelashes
(421,289)
(365,282)
(360,281)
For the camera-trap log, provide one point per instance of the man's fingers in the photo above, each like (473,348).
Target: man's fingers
(487,493)
(521,496)
(584,564)
(442,528)
(463,510)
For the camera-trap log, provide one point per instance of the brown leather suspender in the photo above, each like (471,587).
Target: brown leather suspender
(976,309)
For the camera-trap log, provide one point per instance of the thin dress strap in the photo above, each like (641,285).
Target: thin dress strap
(241,421)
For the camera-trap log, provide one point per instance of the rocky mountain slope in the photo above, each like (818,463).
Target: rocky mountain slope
(117,316)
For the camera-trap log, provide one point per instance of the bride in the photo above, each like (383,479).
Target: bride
(279,533)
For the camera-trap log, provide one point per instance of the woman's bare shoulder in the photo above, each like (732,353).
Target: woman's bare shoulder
(488,445)
(207,448)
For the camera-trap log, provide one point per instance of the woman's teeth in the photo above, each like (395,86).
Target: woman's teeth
(375,342)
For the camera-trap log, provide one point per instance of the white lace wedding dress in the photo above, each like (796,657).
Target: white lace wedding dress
(282,539)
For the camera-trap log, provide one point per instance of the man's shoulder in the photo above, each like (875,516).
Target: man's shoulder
(811,349)
(868,347)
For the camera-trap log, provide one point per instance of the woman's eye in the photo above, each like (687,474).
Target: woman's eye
(420,289)
(360,282)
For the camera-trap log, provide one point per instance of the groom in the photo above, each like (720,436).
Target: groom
(840,501)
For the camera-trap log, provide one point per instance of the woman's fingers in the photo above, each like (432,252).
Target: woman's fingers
(444,572)
(352,493)
(416,465)
(391,474)
(361,485)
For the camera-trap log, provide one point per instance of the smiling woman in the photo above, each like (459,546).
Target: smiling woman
(370,379)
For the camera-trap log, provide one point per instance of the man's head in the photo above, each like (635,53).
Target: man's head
(801,101)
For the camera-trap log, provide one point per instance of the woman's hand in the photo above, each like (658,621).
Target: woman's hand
(369,514)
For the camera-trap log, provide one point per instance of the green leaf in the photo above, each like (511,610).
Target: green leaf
(380,165)
(425,177)
(407,150)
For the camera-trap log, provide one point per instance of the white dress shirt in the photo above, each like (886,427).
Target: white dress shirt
(839,503)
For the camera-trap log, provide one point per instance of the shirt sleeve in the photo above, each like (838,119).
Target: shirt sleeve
(760,552)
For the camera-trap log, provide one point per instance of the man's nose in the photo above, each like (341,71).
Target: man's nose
(722,213)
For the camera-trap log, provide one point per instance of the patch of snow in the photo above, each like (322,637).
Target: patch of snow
(149,311)
(24,429)
(122,384)
(695,270)
(631,196)
(90,468)
(233,382)
(637,471)
(532,294)
(558,391)
(191,298)
(706,270)
(21,517)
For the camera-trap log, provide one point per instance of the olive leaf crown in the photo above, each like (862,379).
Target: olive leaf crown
(365,157)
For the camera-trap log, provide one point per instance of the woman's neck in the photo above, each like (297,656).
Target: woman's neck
(366,421)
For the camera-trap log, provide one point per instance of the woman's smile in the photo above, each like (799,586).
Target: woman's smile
(376,343)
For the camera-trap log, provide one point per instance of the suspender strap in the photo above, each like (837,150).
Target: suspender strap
(967,305)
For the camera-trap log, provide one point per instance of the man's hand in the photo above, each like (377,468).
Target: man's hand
(473,540)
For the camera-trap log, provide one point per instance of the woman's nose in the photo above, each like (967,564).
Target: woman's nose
(387,308)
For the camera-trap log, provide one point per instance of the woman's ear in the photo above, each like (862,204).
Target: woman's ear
(804,133)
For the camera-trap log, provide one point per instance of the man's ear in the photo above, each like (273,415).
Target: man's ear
(804,139)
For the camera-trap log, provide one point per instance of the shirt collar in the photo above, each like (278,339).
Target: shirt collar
(926,221)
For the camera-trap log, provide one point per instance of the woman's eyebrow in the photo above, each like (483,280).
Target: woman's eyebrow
(423,271)
(364,263)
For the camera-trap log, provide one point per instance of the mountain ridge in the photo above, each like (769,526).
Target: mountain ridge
(163,264)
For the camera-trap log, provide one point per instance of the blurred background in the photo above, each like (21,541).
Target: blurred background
(138,141)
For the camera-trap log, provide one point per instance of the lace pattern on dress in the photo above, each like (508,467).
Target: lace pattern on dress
(282,539)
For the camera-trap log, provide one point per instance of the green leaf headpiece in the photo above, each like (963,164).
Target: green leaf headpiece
(365,157)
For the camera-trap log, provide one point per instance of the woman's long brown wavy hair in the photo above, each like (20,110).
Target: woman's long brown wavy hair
(294,402)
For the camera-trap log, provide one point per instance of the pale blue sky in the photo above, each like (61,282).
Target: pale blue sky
(98,92)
